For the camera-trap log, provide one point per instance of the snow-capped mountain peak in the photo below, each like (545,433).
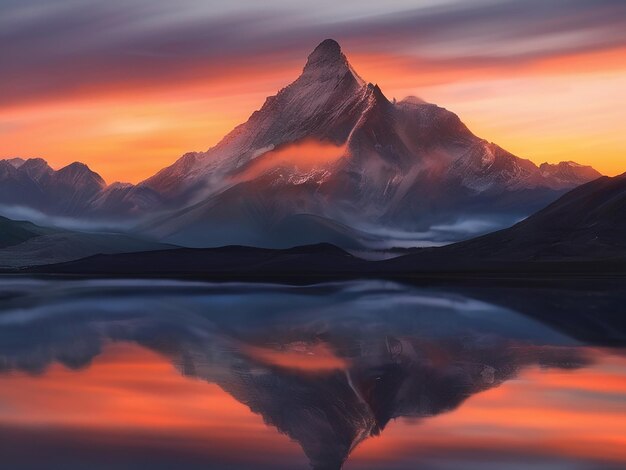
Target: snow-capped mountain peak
(328,62)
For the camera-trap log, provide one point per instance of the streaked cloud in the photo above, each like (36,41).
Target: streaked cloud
(184,73)
(77,45)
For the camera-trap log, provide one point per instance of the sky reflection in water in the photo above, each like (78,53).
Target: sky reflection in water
(159,375)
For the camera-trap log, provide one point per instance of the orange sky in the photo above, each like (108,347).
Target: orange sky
(547,92)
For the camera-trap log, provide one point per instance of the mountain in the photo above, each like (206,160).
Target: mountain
(583,232)
(74,190)
(120,200)
(332,146)
(399,352)
(327,159)
(587,223)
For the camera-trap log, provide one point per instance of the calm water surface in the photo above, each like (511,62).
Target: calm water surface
(357,375)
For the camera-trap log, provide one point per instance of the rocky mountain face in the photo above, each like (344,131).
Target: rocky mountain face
(74,190)
(24,244)
(327,159)
(13,232)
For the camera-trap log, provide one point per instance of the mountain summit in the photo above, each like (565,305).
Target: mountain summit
(326,55)
(327,50)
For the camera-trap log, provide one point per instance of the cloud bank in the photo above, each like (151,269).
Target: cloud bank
(59,48)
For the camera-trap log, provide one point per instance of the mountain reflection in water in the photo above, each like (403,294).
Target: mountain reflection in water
(86,372)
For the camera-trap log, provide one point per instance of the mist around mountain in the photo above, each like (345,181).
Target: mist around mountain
(582,233)
(329,158)
(24,244)
(33,189)
(587,223)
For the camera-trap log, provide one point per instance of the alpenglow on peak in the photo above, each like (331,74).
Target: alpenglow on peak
(327,60)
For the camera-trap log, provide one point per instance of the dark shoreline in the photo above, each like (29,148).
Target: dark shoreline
(323,263)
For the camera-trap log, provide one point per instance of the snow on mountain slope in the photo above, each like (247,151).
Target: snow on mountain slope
(324,103)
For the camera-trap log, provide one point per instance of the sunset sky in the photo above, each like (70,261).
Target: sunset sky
(129,86)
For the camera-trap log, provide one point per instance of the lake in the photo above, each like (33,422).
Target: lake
(132,374)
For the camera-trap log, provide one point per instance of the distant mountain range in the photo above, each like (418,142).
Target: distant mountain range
(74,191)
(582,232)
(401,354)
(327,159)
